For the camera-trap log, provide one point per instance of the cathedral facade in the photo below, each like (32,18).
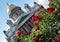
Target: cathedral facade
(21,20)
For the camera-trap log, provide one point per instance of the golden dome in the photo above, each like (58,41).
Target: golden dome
(10,7)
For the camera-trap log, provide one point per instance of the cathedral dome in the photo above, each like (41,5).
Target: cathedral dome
(10,7)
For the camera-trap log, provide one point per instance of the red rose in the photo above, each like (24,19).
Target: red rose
(36,38)
(49,10)
(41,7)
(58,38)
(33,19)
(18,33)
(56,12)
(38,18)
(50,0)
(37,28)
(28,33)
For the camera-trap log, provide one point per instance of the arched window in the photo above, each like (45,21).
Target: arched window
(14,17)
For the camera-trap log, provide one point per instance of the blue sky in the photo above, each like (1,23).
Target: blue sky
(4,15)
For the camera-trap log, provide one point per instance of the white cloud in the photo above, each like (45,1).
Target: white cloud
(44,3)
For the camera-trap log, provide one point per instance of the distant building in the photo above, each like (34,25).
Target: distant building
(21,19)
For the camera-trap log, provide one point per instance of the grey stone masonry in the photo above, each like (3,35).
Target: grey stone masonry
(22,20)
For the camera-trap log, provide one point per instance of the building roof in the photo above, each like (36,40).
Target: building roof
(10,7)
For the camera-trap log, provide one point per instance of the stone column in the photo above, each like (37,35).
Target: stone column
(28,27)
(24,28)
(30,24)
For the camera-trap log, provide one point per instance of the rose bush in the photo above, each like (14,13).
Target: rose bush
(46,25)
